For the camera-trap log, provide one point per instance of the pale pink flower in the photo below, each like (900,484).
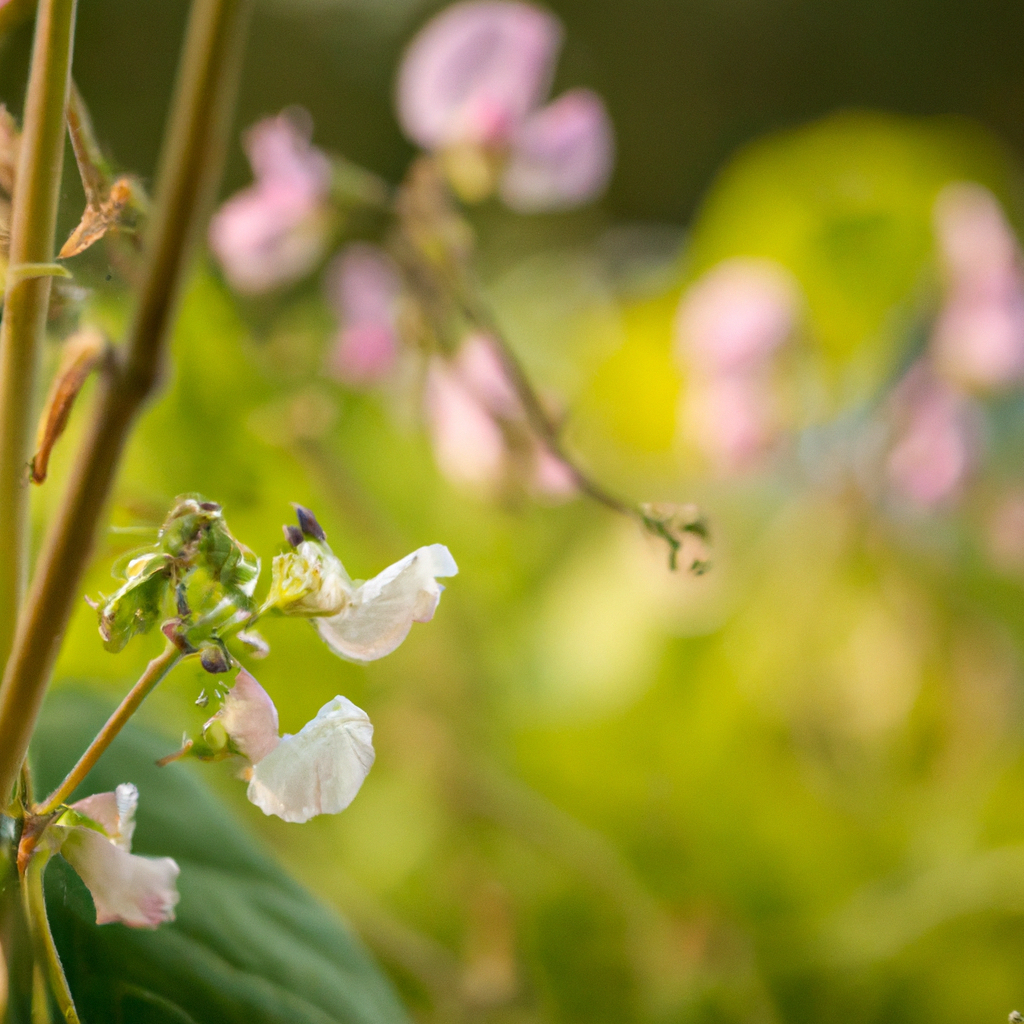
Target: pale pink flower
(978,338)
(562,155)
(1005,532)
(274,232)
(364,289)
(736,315)
(137,891)
(470,405)
(935,446)
(470,88)
(317,771)
(733,418)
(475,71)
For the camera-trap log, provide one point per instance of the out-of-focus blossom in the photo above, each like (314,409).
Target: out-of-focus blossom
(978,339)
(360,621)
(1005,533)
(479,429)
(736,315)
(935,444)
(733,418)
(364,289)
(94,837)
(729,325)
(317,771)
(275,231)
(470,88)
(562,155)
(475,71)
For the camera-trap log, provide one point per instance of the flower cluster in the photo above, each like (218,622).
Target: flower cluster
(976,348)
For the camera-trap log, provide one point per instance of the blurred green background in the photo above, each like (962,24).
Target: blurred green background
(790,790)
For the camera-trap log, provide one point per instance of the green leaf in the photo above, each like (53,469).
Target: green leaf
(249,945)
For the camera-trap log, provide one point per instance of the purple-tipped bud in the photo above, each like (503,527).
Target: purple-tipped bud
(215,660)
(562,155)
(308,524)
(292,534)
(475,71)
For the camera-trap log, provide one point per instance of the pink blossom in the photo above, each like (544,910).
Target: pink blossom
(364,289)
(733,418)
(472,409)
(562,155)
(935,446)
(736,315)
(979,336)
(475,71)
(276,230)
(470,88)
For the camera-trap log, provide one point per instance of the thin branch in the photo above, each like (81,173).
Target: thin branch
(155,671)
(189,171)
(27,298)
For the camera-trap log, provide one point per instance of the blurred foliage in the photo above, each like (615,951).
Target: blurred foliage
(789,790)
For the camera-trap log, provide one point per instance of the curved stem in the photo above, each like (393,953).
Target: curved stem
(27,298)
(189,170)
(155,671)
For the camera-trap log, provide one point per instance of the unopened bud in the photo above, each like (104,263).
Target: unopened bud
(308,524)
(293,535)
(216,735)
(215,660)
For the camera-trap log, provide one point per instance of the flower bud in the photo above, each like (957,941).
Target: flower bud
(308,524)
(214,659)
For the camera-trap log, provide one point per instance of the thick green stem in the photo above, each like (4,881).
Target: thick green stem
(155,671)
(26,300)
(188,175)
(44,949)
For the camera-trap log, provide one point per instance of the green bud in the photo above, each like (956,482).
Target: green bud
(216,736)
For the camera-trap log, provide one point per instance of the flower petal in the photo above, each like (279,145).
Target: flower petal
(114,811)
(319,770)
(475,71)
(249,717)
(562,156)
(383,609)
(137,891)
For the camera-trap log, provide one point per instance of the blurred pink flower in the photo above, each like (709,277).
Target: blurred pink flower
(364,289)
(733,418)
(1005,532)
(978,339)
(276,230)
(470,407)
(935,446)
(475,71)
(470,88)
(736,315)
(561,156)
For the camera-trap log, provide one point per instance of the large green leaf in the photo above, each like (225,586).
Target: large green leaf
(249,945)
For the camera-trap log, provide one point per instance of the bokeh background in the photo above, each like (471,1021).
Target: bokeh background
(791,789)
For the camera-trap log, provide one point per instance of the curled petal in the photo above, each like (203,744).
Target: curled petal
(115,812)
(320,769)
(137,891)
(249,717)
(475,71)
(562,155)
(382,610)
(308,581)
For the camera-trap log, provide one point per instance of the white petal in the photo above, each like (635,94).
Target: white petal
(318,771)
(383,609)
(250,718)
(137,891)
(114,811)
(562,156)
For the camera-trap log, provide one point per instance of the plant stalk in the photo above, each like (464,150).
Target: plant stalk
(156,670)
(27,299)
(189,172)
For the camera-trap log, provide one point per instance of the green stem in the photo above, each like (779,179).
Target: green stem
(189,171)
(42,939)
(155,671)
(27,299)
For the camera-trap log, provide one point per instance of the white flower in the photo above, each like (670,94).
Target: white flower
(137,891)
(360,621)
(317,771)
